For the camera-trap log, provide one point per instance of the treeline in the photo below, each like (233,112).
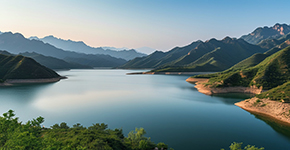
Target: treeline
(31,135)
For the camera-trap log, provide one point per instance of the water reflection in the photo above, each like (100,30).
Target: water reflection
(232,98)
(280,127)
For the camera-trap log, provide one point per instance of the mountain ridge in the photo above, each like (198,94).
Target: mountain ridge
(81,47)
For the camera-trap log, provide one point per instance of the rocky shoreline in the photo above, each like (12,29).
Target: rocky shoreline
(272,109)
(276,110)
(200,85)
(10,82)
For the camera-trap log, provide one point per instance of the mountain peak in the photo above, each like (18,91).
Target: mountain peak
(266,32)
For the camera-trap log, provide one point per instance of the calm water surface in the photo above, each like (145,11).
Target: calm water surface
(170,109)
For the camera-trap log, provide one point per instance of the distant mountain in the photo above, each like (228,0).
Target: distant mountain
(20,67)
(259,34)
(81,47)
(114,48)
(0,32)
(54,63)
(145,50)
(17,43)
(159,58)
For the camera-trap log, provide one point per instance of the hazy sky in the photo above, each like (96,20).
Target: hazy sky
(160,24)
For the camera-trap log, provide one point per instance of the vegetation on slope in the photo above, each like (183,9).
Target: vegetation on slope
(270,73)
(279,93)
(16,135)
(159,58)
(20,67)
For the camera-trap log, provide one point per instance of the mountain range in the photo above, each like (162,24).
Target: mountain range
(81,47)
(16,43)
(211,55)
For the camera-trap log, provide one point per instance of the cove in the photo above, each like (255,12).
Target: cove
(170,109)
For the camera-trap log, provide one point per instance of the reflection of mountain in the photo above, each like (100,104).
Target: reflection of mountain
(276,125)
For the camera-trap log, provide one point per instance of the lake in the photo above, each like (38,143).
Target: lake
(166,106)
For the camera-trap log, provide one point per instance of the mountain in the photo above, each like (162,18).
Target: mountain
(81,47)
(270,73)
(270,43)
(17,43)
(159,58)
(211,55)
(20,67)
(145,50)
(259,34)
(54,63)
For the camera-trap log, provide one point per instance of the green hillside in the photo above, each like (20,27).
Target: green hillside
(20,67)
(270,73)
(278,93)
(159,58)
(213,55)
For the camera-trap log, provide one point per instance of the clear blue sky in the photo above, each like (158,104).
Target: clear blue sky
(160,24)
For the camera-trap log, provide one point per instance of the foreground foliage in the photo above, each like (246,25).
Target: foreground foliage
(238,146)
(16,135)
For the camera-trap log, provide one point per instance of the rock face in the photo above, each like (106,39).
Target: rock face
(274,109)
(274,32)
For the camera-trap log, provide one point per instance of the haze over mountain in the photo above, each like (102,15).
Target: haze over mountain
(81,47)
(262,33)
(146,50)
(17,43)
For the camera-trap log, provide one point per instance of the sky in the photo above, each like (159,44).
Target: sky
(159,24)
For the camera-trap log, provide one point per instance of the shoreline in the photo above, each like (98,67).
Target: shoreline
(10,82)
(277,111)
(274,110)
(169,73)
(199,85)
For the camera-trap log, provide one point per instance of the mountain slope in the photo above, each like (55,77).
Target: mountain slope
(20,67)
(17,43)
(213,55)
(54,63)
(81,47)
(270,73)
(259,34)
(159,58)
